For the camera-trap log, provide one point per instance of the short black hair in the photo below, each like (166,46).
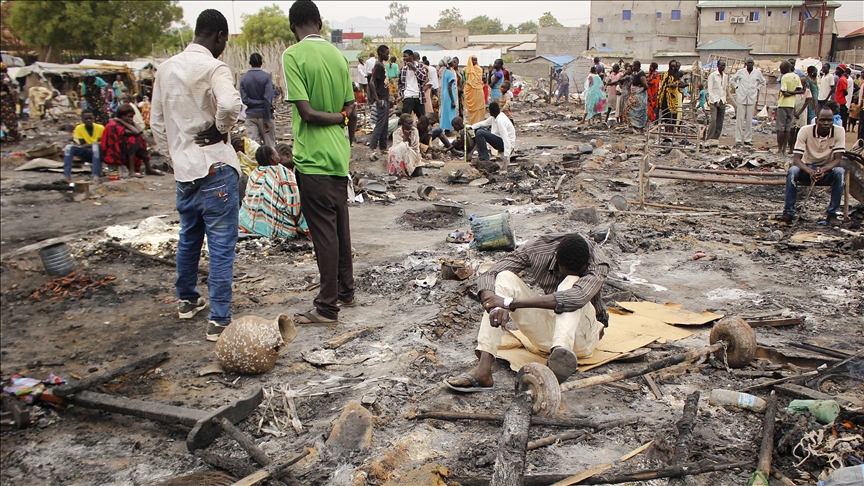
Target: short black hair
(381,49)
(86,112)
(304,12)
(210,22)
(573,252)
(255,60)
(493,107)
(408,51)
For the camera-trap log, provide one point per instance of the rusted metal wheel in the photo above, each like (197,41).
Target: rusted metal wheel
(739,338)
(539,380)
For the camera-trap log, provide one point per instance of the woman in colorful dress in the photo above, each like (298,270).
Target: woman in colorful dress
(449,94)
(653,88)
(123,146)
(271,204)
(474,100)
(404,156)
(595,96)
(637,103)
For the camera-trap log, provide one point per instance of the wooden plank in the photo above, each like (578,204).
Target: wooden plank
(653,386)
(578,478)
(775,322)
(636,451)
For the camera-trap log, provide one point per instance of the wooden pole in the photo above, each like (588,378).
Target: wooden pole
(685,432)
(512,448)
(767,450)
(94,380)
(576,423)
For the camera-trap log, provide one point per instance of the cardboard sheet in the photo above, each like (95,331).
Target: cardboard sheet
(670,313)
(626,332)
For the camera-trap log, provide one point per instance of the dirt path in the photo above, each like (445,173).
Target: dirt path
(425,334)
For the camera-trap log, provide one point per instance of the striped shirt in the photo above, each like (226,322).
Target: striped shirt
(816,150)
(539,261)
(271,207)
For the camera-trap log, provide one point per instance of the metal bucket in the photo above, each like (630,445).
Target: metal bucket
(57,260)
(493,233)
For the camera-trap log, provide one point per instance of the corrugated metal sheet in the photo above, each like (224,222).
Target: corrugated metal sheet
(755,3)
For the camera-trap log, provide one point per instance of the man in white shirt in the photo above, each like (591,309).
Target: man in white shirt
(502,136)
(718,86)
(412,78)
(194,107)
(370,65)
(748,81)
(826,85)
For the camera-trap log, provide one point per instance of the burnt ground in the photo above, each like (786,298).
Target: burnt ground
(423,335)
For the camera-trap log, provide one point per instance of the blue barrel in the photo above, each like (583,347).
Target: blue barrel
(57,260)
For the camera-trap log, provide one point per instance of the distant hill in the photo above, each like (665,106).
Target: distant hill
(371,27)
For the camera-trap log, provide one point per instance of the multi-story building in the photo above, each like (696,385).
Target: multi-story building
(771,28)
(645,29)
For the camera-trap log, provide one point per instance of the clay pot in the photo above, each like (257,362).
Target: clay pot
(251,344)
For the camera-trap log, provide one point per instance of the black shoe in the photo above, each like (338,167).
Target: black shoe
(786,218)
(187,309)
(748,143)
(832,218)
(562,362)
(214,330)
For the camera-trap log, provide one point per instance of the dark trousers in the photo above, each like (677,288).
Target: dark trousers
(413,105)
(717,112)
(483,137)
(844,115)
(381,115)
(325,206)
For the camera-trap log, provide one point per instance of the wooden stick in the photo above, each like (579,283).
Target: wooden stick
(620,286)
(783,479)
(834,353)
(274,470)
(580,423)
(653,386)
(793,321)
(767,449)
(536,444)
(253,450)
(681,470)
(94,380)
(779,380)
(233,466)
(578,478)
(510,462)
(636,451)
(685,432)
(348,336)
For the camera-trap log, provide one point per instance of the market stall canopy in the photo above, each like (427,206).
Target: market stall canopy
(141,68)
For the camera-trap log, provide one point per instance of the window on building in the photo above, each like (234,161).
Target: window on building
(719,16)
(659,15)
(625,15)
(676,15)
(628,39)
(754,16)
(784,13)
(673,39)
(769,13)
(599,20)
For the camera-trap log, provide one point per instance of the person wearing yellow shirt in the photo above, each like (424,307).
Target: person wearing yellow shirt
(790,85)
(86,139)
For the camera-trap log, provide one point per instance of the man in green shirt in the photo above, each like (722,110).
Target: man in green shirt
(319,87)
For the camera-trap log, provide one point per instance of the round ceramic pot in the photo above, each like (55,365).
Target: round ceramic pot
(251,344)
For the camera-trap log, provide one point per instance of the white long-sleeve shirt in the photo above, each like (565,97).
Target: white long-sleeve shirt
(192,92)
(502,127)
(718,86)
(433,76)
(747,85)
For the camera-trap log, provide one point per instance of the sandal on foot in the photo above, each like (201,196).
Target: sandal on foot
(562,362)
(312,317)
(155,172)
(347,303)
(475,385)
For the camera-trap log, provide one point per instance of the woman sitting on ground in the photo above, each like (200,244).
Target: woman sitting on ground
(271,206)
(404,157)
(122,144)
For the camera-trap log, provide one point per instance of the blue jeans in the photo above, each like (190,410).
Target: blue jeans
(209,205)
(482,137)
(87,153)
(833,178)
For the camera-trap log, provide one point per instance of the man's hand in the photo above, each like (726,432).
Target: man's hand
(499,317)
(379,103)
(817,174)
(210,136)
(267,127)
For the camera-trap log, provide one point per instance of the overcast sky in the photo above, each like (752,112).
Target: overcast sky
(570,13)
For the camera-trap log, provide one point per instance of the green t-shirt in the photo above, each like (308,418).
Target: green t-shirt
(392,70)
(315,71)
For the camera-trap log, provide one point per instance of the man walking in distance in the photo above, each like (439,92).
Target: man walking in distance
(748,82)
(380,96)
(790,85)
(412,78)
(319,86)
(826,85)
(194,107)
(256,91)
(718,85)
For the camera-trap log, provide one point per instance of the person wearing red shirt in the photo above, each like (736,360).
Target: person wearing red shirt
(841,92)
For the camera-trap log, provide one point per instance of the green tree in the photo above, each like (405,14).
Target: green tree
(111,28)
(449,18)
(548,20)
(398,18)
(529,27)
(511,29)
(267,26)
(175,39)
(482,24)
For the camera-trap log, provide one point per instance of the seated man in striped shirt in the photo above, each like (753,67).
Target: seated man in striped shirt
(816,159)
(566,322)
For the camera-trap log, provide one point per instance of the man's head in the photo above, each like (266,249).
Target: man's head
(498,64)
(211,31)
(255,60)
(791,62)
(494,109)
(505,87)
(824,121)
(750,62)
(126,113)
(304,15)
(407,56)
(383,52)
(237,143)
(372,54)
(87,118)
(433,118)
(834,106)
(406,121)
(615,68)
(826,68)
(424,122)
(841,70)
(721,65)
(811,71)
(573,255)
(673,66)
(415,56)
(596,60)
(593,70)
(457,123)
(784,67)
